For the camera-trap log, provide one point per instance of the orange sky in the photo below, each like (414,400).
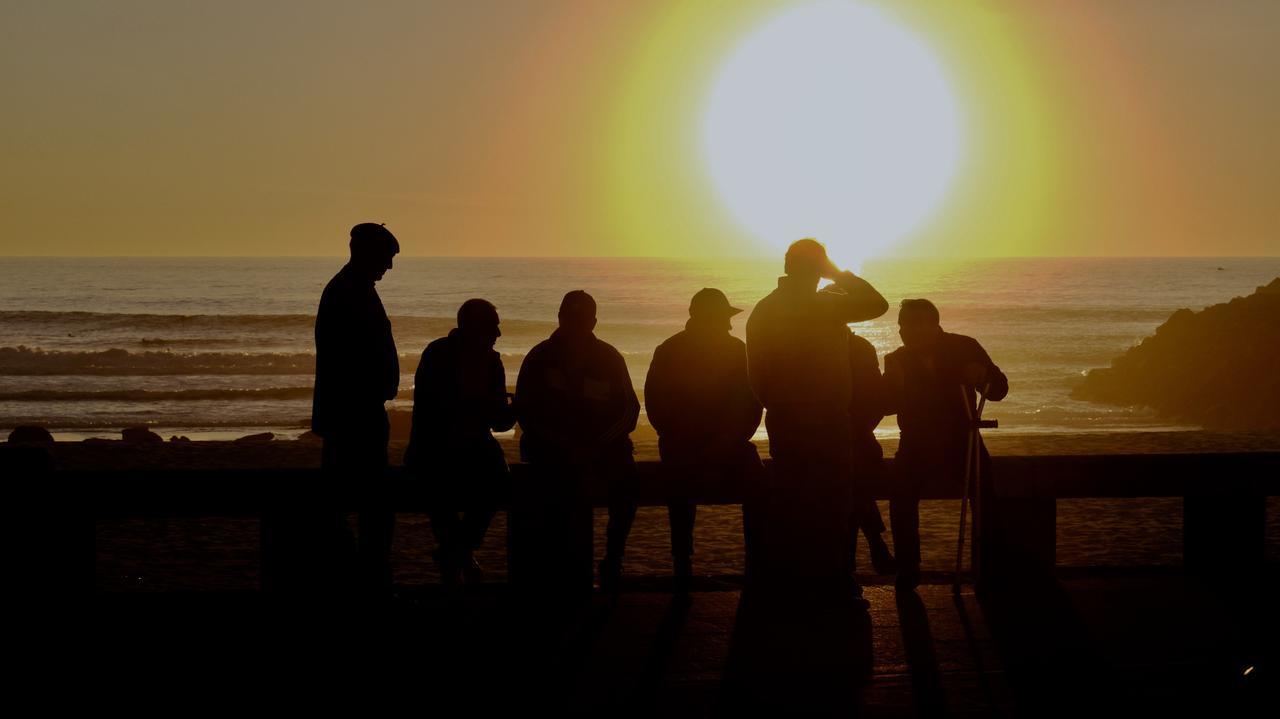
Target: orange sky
(518,128)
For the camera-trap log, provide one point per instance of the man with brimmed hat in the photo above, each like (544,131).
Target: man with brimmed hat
(798,362)
(357,371)
(577,408)
(698,398)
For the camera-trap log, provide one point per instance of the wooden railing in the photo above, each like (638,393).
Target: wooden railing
(1224,498)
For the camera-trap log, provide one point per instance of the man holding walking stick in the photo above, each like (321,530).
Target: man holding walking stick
(933,382)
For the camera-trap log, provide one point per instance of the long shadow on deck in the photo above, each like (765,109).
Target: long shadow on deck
(796,654)
(1098,644)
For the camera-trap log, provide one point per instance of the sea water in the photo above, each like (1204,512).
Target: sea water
(218,347)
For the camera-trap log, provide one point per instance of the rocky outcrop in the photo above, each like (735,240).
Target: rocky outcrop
(30,434)
(255,438)
(1219,367)
(140,435)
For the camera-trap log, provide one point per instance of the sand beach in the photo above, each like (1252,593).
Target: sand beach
(221,553)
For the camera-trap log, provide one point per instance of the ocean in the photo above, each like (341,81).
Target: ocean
(214,348)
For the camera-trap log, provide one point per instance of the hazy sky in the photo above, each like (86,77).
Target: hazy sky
(534,127)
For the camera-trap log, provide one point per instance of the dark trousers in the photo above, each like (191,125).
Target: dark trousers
(915,470)
(865,518)
(864,515)
(551,538)
(359,465)
(690,473)
(460,528)
(804,507)
(463,496)
(621,482)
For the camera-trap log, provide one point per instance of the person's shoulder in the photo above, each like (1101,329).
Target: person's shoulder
(540,351)
(767,301)
(437,346)
(341,280)
(729,343)
(765,310)
(860,343)
(670,344)
(339,288)
(960,342)
(333,286)
(895,355)
(605,349)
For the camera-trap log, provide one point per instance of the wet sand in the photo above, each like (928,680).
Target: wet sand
(221,554)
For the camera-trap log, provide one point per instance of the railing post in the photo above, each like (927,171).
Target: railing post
(1018,540)
(1223,532)
(549,532)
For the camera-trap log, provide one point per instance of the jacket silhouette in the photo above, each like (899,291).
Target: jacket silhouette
(357,367)
(697,394)
(867,405)
(798,363)
(798,343)
(868,400)
(925,392)
(576,407)
(357,370)
(929,380)
(459,400)
(576,402)
(698,398)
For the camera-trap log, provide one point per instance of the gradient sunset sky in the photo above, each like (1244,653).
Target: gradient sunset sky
(523,128)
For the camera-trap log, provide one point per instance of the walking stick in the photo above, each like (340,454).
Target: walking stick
(972,475)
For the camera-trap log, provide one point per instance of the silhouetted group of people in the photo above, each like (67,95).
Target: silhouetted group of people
(816,383)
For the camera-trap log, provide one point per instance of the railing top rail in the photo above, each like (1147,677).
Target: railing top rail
(222,492)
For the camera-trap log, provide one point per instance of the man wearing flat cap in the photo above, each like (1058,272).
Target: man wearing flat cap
(357,370)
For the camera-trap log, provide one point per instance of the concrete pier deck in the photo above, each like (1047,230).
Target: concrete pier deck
(1087,642)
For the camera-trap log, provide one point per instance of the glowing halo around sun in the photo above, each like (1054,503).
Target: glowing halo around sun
(832,120)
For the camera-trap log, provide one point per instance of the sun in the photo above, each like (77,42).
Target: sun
(832,120)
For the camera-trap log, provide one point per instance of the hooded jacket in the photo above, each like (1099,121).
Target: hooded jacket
(697,394)
(574,398)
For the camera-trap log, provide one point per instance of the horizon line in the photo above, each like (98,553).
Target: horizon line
(641,257)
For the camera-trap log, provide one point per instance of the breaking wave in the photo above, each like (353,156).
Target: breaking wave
(144,395)
(33,361)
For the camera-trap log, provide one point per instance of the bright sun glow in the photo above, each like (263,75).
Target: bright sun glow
(832,121)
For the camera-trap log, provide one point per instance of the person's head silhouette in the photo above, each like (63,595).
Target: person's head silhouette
(478,323)
(710,309)
(372,247)
(577,313)
(918,323)
(807,260)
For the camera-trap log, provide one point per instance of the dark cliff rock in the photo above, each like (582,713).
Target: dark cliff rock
(140,435)
(30,434)
(1219,367)
(255,438)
